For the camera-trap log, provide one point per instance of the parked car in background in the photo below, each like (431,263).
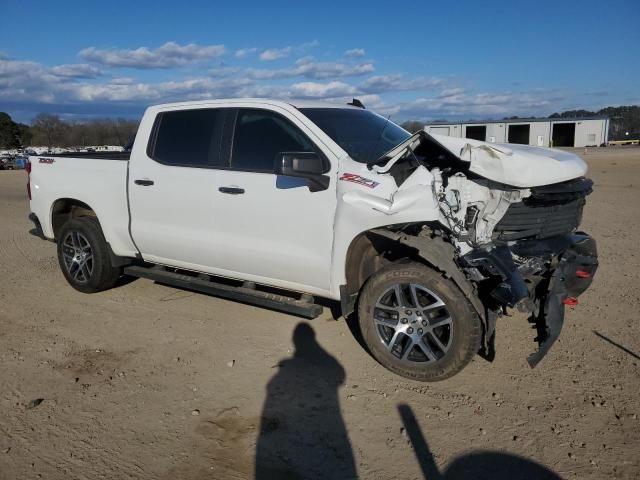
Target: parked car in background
(17,163)
(430,238)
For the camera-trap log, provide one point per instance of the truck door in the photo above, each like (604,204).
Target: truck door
(270,226)
(173,187)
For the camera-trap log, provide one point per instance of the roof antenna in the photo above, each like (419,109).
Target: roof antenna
(356,103)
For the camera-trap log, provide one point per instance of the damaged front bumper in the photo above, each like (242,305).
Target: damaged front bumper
(538,276)
(572,276)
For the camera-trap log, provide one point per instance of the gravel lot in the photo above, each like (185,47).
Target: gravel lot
(146,381)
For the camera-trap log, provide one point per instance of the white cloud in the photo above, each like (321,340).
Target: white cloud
(322,90)
(9,67)
(168,55)
(122,81)
(398,82)
(451,92)
(461,105)
(311,44)
(275,53)
(355,53)
(271,54)
(306,67)
(76,70)
(31,86)
(25,80)
(190,89)
(245,52)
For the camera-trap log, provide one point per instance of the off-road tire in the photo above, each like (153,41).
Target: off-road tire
(103,274)
(465,324)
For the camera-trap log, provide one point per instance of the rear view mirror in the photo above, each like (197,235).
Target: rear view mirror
(307,165)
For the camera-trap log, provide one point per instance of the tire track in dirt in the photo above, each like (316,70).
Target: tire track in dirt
(224,447)
(18,255)
(86,457)
(86,454)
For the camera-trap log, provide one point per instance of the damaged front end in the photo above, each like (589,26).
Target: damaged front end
(512,229)
(538,277)
(536,261)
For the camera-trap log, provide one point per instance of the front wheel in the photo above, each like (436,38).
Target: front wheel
(83,255)
(418,323)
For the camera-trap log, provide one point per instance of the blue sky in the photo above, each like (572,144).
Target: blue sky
(410,60)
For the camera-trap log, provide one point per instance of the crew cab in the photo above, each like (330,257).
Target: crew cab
(427,239)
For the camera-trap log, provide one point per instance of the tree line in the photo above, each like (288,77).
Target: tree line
(622,120)
(51,131)
(12,134)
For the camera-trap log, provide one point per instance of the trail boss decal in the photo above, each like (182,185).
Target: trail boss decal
(352,177)
(46,160)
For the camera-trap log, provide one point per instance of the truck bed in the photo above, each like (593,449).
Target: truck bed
(123,156)
(102,185)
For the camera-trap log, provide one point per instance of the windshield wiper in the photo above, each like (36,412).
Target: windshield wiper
(375,162)
(385,156)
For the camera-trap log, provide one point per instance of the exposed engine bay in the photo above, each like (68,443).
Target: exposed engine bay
(514,238)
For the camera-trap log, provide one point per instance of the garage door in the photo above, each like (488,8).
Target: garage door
(439,130)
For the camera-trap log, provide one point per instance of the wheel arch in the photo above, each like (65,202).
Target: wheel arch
(371,250)
(64,209)
(368,252)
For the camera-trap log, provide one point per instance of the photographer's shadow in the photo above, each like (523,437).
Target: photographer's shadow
(477,465)
(302,433)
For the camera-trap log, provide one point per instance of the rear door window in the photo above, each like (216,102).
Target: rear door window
(260,135)
(189,138)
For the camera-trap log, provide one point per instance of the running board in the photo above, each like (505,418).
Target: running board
(302,308)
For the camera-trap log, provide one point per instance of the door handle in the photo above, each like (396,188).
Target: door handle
(143,182)
(231,190)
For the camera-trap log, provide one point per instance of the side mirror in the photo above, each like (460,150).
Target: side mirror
(307,165)
(299,164)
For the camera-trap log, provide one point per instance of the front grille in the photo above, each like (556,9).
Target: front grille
(550,210)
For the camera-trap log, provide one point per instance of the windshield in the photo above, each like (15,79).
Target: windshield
(364,135)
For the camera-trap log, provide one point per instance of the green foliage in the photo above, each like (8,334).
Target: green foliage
(574,114)
(51,131)
(12,134)
(621,120)
(412,126)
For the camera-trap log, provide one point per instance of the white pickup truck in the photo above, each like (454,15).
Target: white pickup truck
(427,239)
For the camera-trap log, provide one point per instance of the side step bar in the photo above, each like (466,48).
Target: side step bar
(302,308)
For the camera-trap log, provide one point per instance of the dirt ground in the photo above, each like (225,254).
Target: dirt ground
(150,382)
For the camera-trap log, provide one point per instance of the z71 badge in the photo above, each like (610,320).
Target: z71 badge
(352,177)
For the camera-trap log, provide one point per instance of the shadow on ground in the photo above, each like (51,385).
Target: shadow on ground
(302,434)
(478,465)
(616,344)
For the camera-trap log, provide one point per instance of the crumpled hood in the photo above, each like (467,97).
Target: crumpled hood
(520,166)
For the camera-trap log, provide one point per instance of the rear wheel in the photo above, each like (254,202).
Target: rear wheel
(84,257)
(417,323)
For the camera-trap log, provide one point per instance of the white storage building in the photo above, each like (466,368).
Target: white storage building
(542,132)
